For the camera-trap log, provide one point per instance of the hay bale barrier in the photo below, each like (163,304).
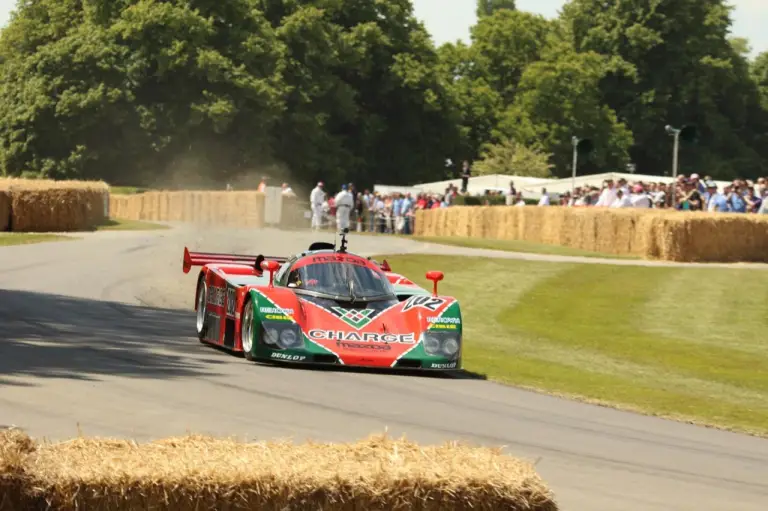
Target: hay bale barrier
(237,208)
(198,472)
(5,210)
(31,205)
(650,234)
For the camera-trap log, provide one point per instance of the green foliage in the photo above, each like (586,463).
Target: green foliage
(137,91)
(672,62)
(512,158)
(488,7)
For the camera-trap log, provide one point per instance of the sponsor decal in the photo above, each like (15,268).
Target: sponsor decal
(286,356)
(363,346)
(338,335)
(425,302)
(216,296)
(443,326)
(356,318)
(277,317)
(276,310)
(338,259)
(455,321)
(231,301)
(450,365)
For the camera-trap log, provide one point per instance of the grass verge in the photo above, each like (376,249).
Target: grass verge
(681,343)
(117,224)
(197,472)
(516,246)
(23,238)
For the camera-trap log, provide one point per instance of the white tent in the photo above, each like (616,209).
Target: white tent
(560,186)
(388,189)
(479,184)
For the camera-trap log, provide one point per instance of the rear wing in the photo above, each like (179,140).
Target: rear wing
(202,258)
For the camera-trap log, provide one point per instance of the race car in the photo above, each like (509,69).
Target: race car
(324,306)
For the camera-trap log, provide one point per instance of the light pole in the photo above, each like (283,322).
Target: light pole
(575,142)
(676,134)
(583,145)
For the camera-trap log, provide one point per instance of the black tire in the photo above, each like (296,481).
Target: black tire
(247,335)
(201,301)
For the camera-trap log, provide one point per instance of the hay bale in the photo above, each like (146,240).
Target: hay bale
(5,210)
(55,206)
(197,472)
(651,234)
(15,447)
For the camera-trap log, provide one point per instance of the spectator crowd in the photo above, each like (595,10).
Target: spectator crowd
(394,213)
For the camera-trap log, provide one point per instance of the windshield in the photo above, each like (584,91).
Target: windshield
(342,279)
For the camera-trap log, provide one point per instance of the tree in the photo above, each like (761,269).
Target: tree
(121,90)
(127,89)
(559,97)
(671,62)
(512,158)
(488,7)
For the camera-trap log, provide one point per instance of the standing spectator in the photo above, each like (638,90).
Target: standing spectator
(640,198)
(622,200)
(661,197)
(406,210)
(764,206)
(511,194)
(754,202)
(608,195)
(344,204)
(736,201)
(716,201)
(466,173)
(544,201)
(691,196)
(316,200)
(263,184)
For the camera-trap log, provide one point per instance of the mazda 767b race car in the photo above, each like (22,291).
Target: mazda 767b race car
(324,306)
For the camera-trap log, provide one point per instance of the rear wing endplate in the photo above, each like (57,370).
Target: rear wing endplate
(202,258)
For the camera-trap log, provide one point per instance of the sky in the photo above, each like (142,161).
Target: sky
(447,24)
(750,18)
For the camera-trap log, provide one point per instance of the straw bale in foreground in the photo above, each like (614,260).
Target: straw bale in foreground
(198,473)
(15,446)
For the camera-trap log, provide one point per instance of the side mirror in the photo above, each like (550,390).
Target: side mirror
(271,267)
(385,266)
(435,277)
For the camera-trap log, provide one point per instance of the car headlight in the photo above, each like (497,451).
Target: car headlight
(431,344)
(451,346)
(288,338)
(271,336)
(279,335)
(445,344)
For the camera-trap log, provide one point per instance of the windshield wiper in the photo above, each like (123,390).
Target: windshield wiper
(352,291)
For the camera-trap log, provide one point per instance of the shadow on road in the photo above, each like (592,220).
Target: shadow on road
(456,375)
(53,336)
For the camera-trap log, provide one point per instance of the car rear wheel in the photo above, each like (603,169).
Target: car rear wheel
(202,310)
(246,330)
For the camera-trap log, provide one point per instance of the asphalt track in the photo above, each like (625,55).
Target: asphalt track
(97,336)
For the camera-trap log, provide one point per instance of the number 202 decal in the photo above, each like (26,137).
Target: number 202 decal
(425,302)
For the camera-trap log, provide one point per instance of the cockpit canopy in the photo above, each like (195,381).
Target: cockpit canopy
(347,279)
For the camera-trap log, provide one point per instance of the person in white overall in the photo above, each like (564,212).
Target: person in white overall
(316,200)
(344,205)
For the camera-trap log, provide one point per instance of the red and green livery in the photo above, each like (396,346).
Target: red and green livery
(324,306)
